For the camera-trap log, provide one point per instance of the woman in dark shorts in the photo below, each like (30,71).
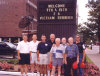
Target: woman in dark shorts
(24,55)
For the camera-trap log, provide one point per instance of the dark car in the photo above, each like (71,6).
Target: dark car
(7,48)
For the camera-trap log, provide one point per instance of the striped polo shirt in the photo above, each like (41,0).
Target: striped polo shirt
(57,51)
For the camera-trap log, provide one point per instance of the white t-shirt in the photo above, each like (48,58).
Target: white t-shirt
(23,47)
(33,46)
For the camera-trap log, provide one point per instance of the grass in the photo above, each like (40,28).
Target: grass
(11,61)
(88,59)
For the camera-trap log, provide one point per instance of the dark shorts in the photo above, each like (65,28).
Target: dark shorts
(25,59)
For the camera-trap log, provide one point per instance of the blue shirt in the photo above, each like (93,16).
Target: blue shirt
(72,50)
(43,47)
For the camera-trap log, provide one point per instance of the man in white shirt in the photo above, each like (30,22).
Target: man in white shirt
(56,57)
(33,48)
(24,55)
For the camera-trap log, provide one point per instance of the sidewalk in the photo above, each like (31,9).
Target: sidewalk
(94,55)
(7,73)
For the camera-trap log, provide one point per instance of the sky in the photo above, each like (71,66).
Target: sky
(82,11)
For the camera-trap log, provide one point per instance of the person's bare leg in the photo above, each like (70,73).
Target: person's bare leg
(48,70)
(53,71)
(37,67)
(41,70)
(45,70)
(59,70)
(26,69)
(22,69)
(32,67)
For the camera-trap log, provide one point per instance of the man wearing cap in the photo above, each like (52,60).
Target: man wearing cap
(71,56)
(81,48)
(56,57)
(24,55)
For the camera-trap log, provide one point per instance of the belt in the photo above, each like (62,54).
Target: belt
(34,52)
(43,53)
(71,57)
(24,53)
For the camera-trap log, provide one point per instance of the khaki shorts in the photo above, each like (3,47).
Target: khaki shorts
(44,59)
(34,58)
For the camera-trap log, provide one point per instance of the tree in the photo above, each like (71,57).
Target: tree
(92,27)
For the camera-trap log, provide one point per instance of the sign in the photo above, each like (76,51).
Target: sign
(56,11)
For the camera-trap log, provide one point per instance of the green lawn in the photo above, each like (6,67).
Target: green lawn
(88,59)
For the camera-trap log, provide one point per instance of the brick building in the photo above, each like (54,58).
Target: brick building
(11,12)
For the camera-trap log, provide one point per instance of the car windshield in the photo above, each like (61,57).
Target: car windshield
(10,45)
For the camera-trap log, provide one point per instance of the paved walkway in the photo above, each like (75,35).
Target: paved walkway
(94,55)
(7,73)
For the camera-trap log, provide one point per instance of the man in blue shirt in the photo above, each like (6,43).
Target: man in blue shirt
(71,56)
(42,55)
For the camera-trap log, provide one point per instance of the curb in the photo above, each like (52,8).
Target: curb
(11,73)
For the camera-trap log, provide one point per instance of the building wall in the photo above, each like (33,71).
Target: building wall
(11,12)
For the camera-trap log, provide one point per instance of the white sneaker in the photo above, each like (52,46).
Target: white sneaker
(22,75)
(35,74)
(25,75)
(38,73)
(32,74)
(45,75)
(48,72)
(41,74)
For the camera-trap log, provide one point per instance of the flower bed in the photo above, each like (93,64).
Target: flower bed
(91,70)
(5,66)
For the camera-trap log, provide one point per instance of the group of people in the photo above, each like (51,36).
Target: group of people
(55,51)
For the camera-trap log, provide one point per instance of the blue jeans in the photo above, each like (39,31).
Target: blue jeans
(80,60)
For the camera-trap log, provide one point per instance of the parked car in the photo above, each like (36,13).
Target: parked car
(7,48)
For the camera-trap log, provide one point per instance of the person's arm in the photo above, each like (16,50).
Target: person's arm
(77,58)
(83,56)
(65,55)
(18,54)
(83,53)
(18,51)
(30,52)
(38,55)
(50,57)
(38,52)
(77,52)
(30,56)
(65,58)
(51,51)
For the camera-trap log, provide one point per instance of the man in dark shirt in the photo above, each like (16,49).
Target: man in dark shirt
(81,48)
(42,55)
(51,41)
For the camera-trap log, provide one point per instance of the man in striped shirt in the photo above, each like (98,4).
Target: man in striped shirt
(56,57)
